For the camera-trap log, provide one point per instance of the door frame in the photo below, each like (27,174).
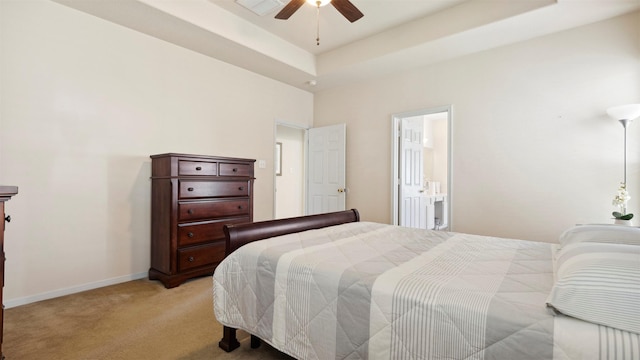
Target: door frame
(305,157)
(395,158)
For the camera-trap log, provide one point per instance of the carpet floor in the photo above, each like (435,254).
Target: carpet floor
(136,320)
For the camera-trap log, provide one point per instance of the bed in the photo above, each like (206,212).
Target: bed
(333,287)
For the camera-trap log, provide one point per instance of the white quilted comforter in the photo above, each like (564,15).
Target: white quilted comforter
(373,291)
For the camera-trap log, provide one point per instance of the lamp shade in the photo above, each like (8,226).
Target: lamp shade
(624,112)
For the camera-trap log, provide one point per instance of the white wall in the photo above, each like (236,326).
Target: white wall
(84,104)
(533,149)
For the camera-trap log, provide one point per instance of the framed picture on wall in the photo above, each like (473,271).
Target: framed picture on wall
(278,159)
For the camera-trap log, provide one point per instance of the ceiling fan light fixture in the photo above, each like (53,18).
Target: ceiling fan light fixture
(344,7)
(315,2)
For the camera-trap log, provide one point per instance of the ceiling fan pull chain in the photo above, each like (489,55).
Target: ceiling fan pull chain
(318,23)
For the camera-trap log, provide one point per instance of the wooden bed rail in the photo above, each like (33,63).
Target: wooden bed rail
(240,234)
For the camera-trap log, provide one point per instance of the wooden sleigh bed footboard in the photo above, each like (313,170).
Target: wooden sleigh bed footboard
(238,235)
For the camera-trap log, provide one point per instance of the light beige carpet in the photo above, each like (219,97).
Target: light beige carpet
(137,320)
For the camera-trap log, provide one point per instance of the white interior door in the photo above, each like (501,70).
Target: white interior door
(326,178)
(412,209)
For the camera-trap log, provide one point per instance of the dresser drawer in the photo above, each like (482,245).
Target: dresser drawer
(198,189)
(230,169)
(194,233)
(200,210)
(201,255)
(208,168)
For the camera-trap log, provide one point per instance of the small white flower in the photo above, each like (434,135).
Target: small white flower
(622,197)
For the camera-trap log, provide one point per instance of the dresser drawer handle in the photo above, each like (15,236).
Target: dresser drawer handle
(198,168)
(190,189)
(190,234)
(191,259)
(240,207)
(235,169)
(241,188)
(190,211)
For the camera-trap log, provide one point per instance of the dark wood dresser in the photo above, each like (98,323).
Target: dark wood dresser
(6,192)
(192,198)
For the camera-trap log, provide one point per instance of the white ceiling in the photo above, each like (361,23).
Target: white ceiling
(335,30)
(393,35)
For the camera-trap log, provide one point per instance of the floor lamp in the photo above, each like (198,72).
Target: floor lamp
(625,114)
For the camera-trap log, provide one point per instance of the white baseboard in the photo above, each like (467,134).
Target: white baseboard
(72,290)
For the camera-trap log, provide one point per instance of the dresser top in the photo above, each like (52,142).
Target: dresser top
(207,157)
(6,192)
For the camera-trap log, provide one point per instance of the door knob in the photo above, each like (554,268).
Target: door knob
(342,190)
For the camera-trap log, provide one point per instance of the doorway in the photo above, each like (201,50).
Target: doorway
(309,164)
(421,169)
(290,171)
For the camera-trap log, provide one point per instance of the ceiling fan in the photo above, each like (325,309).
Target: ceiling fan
(345,7)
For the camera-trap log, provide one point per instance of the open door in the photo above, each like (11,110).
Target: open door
(412,203)
(326,190)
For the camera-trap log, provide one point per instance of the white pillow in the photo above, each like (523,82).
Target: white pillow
(617,234)
(599,283)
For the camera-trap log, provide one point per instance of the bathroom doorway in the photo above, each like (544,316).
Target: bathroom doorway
(421,163)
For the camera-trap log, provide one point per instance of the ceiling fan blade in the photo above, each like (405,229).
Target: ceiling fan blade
(289,9)
(347,9)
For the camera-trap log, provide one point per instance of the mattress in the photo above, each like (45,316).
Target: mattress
(374,291)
